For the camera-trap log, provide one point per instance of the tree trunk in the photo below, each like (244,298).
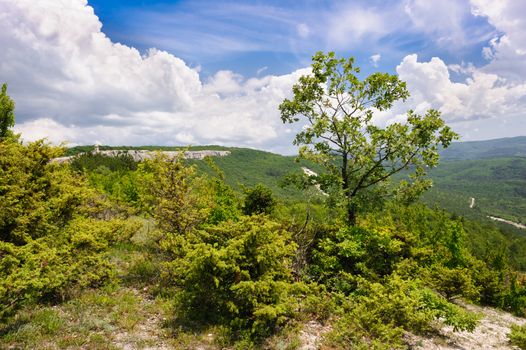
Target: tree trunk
(351,213)
(351,207)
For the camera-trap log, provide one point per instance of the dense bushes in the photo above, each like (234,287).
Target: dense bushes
(173,194)
(115,176)
(377,314)
(517,336)
(258,200)
(50,237)
(380,279)
(225,268)
(87,162)
(398,272)
(236,273)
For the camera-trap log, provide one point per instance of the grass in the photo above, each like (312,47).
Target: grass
(121,313)
(95,319)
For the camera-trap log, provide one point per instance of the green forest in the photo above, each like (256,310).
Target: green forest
(243,251)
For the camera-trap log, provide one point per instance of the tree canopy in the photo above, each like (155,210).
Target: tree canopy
(7,113)
(340,132)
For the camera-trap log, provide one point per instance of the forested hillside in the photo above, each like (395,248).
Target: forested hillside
(466,171)
(497,186)
(498,148)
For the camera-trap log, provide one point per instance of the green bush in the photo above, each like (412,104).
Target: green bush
(517,336)
(354,251)
(235,274)
(377,314)
(451,282)
(49,267)
(514,298)
(258,200)
(224,204)
(91,161)
(171,191)
(50,238)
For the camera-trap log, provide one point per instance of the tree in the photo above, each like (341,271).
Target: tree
(359,156)
(173,192)
(7,115)
(258,200)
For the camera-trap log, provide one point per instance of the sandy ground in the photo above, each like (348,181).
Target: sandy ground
(491,333)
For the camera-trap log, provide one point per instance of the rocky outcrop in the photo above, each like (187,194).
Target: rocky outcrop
(140,155)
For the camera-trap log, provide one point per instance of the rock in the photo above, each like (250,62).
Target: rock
(140,155)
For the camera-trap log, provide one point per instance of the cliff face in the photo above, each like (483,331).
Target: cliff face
(140,155)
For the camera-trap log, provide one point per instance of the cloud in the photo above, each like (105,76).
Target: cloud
(348,25)
(442,21)
(303,30)
(220,28)
(484,100)
(233,27)
(72,83)
(507,16)
(482,95)
(375,59)
(506,51)
(481,106)
(261,70)
(65,64)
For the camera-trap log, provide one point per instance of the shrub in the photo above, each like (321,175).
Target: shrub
(514,299)
(451,282)
(49,267)
(355,251)
(235,274)
(258,200)
(90,161)
(172,192)
(224,204)
(517,336)
(50,239)
(377,314)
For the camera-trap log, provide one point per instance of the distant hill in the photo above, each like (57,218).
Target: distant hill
(493,172)
(248,167)
(497,148)
(498,186)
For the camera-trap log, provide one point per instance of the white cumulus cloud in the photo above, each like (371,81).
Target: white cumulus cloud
(507,51)
(72,83)
(481,102)
(481,95)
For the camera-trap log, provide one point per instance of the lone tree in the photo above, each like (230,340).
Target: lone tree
(7,115)
(339,133)
(258,200)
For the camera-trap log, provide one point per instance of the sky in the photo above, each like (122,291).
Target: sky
(166,72)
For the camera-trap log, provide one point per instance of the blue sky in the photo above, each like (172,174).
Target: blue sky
(214,72)
(248,36)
